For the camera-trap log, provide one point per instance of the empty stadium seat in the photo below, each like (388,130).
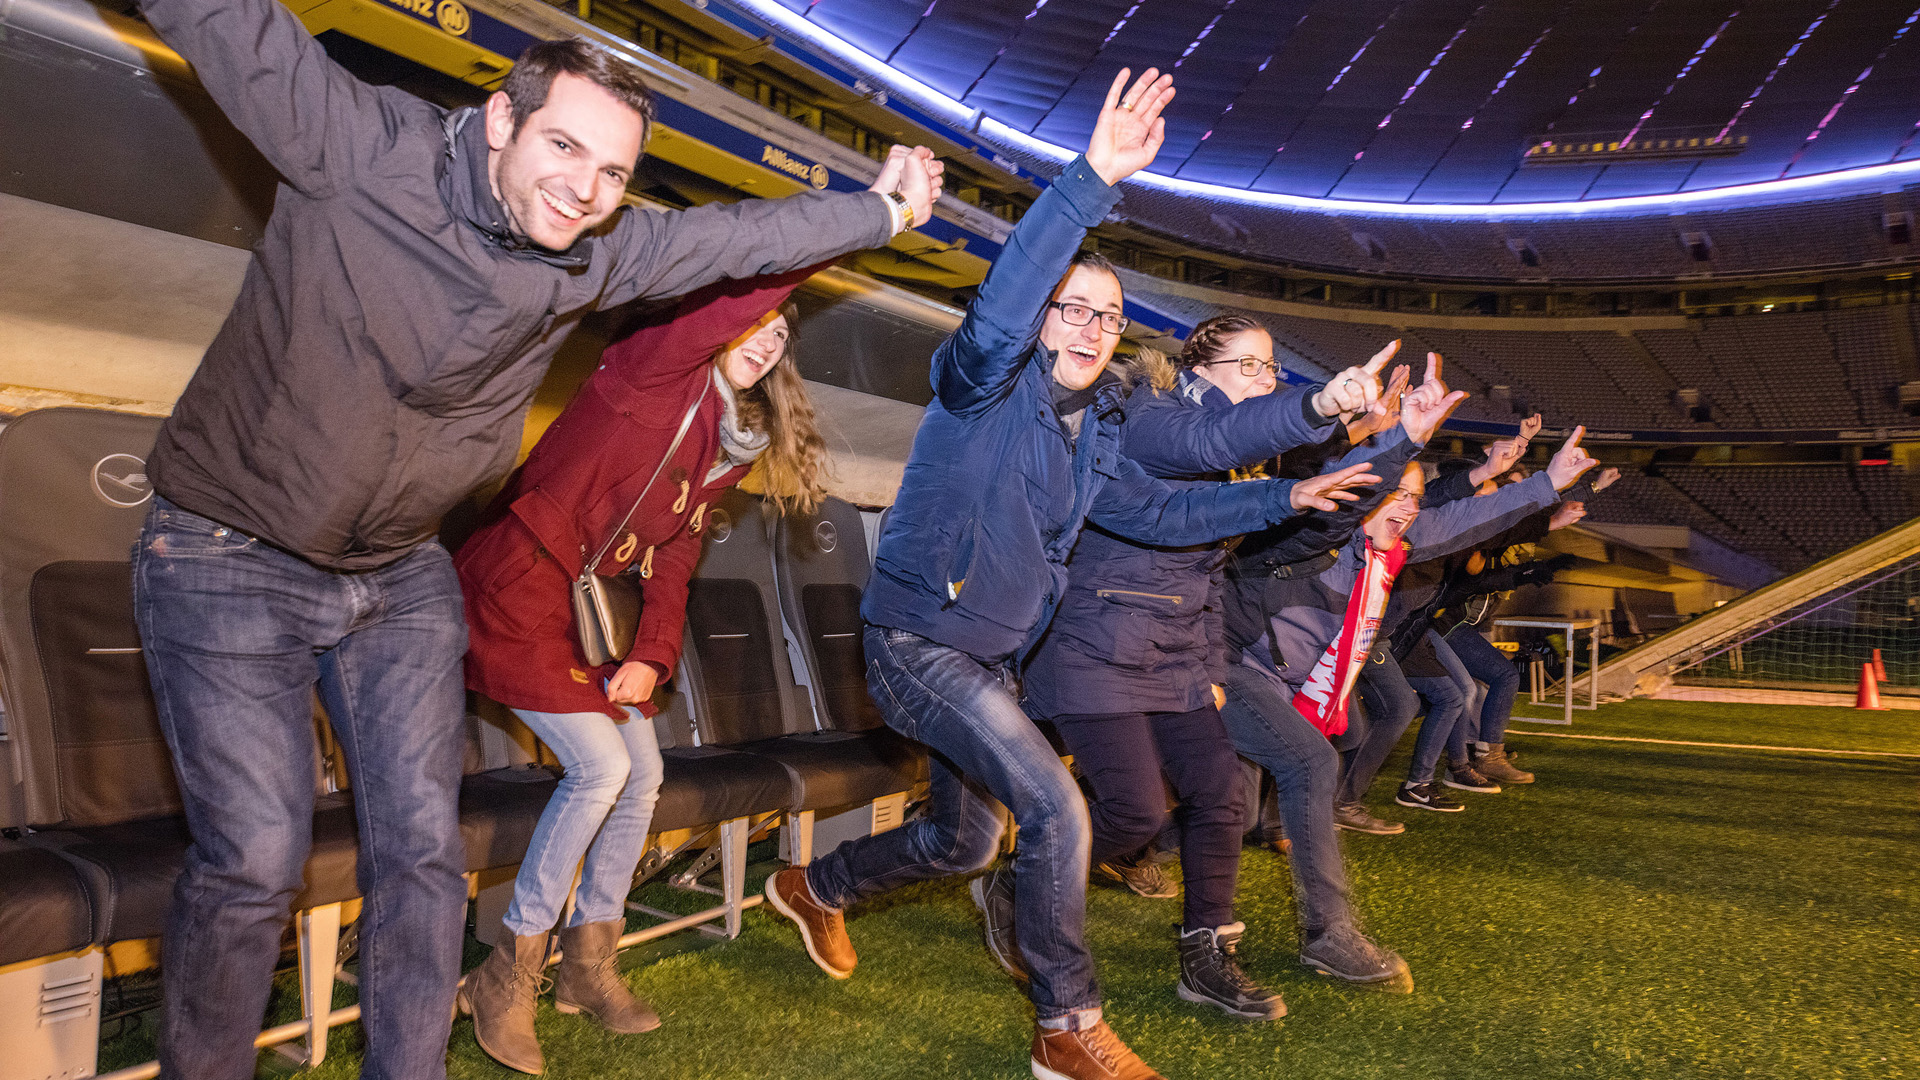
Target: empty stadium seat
(740,671)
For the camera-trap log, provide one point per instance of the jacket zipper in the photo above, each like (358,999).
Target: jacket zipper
(1105,593)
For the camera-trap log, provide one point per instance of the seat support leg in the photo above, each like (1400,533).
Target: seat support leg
(318,933)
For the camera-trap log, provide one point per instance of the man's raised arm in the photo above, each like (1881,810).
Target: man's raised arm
(272,80)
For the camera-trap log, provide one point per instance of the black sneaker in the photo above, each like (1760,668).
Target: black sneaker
(993,895)
(1148,879)
(1426,797)
(1346,954)
(1209,975)
(1354,818)
(1468,778)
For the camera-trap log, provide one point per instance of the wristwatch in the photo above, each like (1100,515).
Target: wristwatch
(906,209)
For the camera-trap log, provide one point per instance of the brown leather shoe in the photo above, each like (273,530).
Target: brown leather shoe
(500,995)
(587,982)
(822,929)
(1094,1054)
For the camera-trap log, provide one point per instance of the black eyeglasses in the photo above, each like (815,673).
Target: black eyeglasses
(1402,493)
(1081,315)
(1249,365)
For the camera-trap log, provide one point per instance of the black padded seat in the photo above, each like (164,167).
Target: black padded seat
(706,785)
(842,768)
(44,909)
(741,682)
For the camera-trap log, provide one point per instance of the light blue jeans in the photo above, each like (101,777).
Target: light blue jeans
(600,812)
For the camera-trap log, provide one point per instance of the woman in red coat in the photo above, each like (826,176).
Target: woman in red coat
(727,348)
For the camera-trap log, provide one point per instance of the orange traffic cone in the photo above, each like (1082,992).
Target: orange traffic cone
(1869,695)
(1879,666)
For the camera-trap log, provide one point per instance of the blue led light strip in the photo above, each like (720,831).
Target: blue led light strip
(918,95)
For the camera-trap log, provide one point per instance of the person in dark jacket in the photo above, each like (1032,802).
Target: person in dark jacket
(1128,670)
(418,272)
(600,478)
(1303,634)
(1018,450)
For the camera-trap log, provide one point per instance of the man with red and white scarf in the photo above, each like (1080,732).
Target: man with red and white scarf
(1338,631)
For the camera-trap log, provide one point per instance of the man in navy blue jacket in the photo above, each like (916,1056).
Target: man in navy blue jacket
(1018,450)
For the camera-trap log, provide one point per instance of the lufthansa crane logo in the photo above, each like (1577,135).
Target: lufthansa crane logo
(121,480)
(453,17)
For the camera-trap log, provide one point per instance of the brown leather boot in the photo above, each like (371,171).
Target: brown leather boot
(587,982)
(500,995)
(1094,1054)
(1495,764)
(822,929)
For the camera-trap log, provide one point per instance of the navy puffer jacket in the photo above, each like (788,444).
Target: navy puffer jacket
(1139,628)
(996,491)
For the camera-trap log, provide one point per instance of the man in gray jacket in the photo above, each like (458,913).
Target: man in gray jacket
(417,275)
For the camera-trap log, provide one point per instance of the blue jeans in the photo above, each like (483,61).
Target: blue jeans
(1466,727)
(600,812)
(237,634)
(1446,703)
(983,748)
(1493,667)
(1390,706)
(1268,730)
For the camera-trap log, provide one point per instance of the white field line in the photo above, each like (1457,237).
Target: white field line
(1716,745)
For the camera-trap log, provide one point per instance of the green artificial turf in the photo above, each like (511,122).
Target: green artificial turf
(1642,911)
(1820,727)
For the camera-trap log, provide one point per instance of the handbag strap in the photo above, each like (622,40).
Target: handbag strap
(678,436)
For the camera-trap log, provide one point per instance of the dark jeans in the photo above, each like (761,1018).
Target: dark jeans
(1446,703)
(237,634)
(1493,667)
(1267,729)
(1390,706)
(983,749)
(1123,756)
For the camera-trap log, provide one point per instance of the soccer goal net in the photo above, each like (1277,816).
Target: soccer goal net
(1816,649)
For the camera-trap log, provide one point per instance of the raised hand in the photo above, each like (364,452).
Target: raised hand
(890,169)
(1506,453)
(1384,413)
(1320,492)
(1130,130)
(922,177)
(1429,403)
(1604,479)
(1570,461)
(1566,514)
(1356,388)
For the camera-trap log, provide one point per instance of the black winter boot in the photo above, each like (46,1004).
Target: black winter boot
(1210,975)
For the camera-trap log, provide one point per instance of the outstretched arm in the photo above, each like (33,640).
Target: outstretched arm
(302,111)
(1169,439)
(1177,513)
(702,324)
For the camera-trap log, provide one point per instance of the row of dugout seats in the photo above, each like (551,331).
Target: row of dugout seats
(767,723)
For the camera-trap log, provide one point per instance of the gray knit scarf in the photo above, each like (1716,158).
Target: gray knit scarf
(738,446)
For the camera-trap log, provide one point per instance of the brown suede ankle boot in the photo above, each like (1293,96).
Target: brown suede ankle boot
(588,983)
(500,995)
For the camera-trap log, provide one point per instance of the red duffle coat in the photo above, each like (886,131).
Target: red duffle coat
(561,504)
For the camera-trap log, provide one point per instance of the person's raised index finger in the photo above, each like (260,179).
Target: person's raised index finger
(1433,367)
(1573,440)
(1119,83)
(1380,358)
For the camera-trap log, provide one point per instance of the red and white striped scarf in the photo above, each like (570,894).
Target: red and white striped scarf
(1320,700)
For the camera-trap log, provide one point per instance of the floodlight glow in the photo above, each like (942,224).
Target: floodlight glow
(939,105)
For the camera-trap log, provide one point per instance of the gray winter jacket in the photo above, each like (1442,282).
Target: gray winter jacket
(390,332)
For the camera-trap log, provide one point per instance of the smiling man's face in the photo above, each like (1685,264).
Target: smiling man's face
(1082,352)
(566,168)
(1391,519)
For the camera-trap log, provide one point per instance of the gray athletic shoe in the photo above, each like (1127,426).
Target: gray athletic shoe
(993,895)
(1346,954)
(1468,778)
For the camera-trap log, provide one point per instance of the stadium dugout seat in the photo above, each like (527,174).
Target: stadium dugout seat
(49,970)
(739,664)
